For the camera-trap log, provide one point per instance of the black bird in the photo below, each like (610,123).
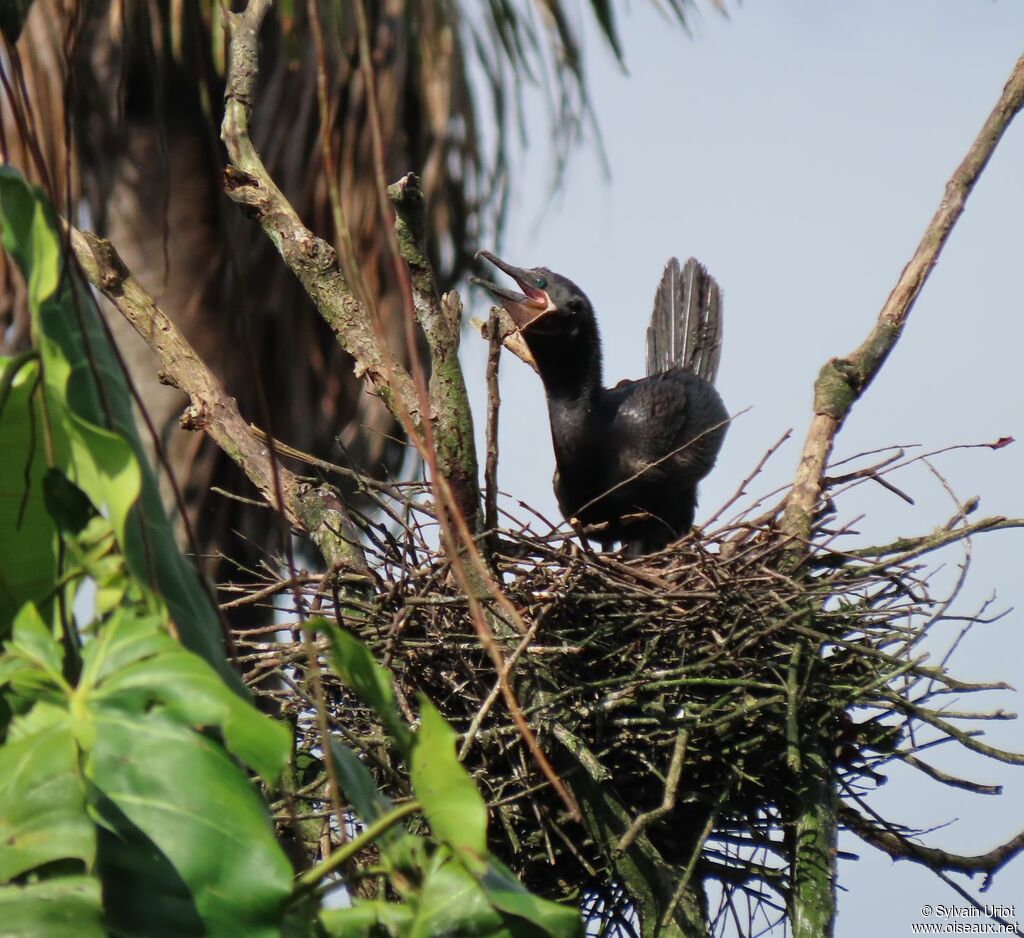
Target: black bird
(627,457)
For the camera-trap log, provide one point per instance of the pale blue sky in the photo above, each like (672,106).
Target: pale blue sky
(798,149)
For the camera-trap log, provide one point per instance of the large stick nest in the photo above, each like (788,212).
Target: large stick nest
(678,681)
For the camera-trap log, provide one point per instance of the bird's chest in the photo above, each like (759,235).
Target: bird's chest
(581,443)
(590,458)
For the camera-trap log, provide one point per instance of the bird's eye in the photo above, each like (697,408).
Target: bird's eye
(540,283)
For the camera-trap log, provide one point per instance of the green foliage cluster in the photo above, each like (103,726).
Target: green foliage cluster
(450,885)
(132,763)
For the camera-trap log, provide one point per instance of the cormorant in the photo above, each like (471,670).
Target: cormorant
(628,457)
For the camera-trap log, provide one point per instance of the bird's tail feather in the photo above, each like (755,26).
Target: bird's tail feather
(686,323)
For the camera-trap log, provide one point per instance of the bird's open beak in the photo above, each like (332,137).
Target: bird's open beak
(525,308)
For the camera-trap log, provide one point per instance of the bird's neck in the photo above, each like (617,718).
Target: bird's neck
(570,369)
(575,432)
(571,373)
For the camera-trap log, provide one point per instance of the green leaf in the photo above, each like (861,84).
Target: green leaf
(183,837)
(57,908)
(367,918)
(67,504)
(358,786)
(354,665)
(451,803)
(42,804)
(189,844)
(25,222)
(134,663)
(91,424)
(32,663)
(28,547)
(451,902)
(510,896)
(398,848)
(42,717)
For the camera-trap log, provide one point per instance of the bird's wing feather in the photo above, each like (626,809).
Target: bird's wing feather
(674,419)
(686,322)
(652,415)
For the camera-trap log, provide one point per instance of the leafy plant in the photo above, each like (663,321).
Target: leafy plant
(126,803)
(449,885)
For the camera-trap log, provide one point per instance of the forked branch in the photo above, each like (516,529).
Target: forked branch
(900,847)
(437,420)
(316,511)
(842,381)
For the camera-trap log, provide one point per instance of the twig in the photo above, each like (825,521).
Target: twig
(484,709)
(965,739)
(493,408)
(910,548)
(450,456)
(507,333)
(310,878)
(668,801)
(900,848)
(742,488)
(310,258)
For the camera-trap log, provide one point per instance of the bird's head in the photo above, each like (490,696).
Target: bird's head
(550,304)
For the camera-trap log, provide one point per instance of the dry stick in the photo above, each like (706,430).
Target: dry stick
(668,801)
(842,381)
(493,408)
(484,709)
(251,598)
(507,333)
(742,489)
(910,548)
(211,409)
(490,645)
(310,258)
(885,838)
(641,847)
(687,874)
(964,738)
(445,403)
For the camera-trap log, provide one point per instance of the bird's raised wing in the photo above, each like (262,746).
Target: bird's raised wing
(686,323)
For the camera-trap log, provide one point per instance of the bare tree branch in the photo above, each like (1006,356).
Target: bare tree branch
(839,385)
(901,848)
(311,259)
(509,335)
(842,381)
(316,511)
(441,320)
